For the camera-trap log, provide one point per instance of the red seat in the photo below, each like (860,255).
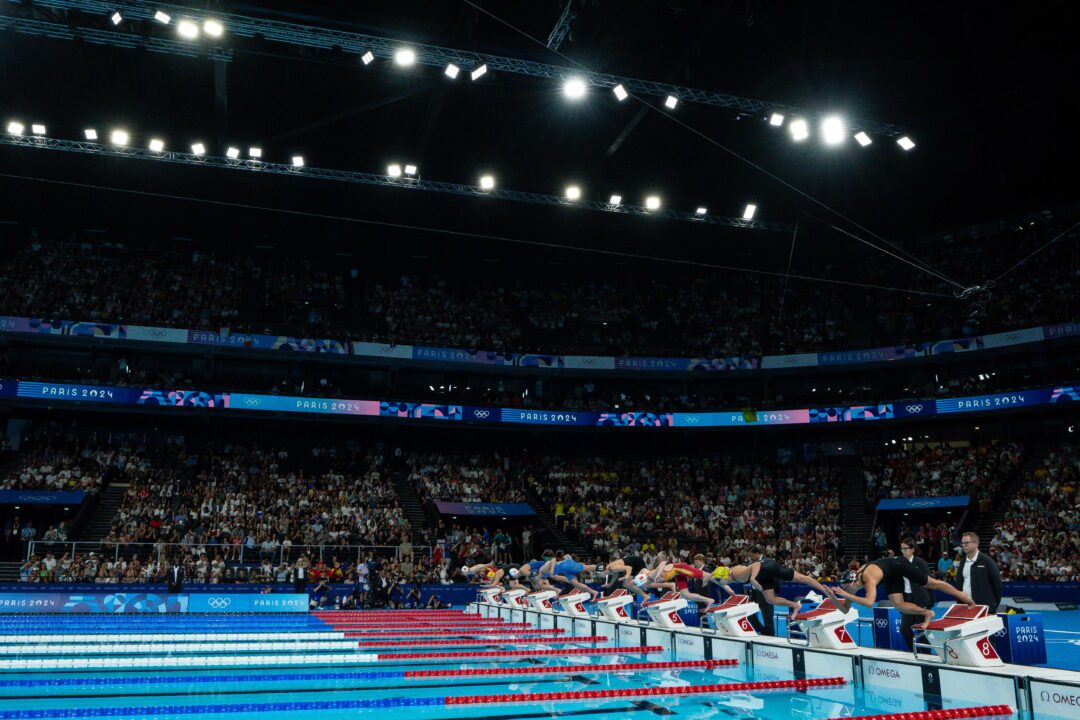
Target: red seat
(667,597)
(955,615)
(827,606)
(536,593)
(618,593)
(942,624)
(573,591)
(731,602)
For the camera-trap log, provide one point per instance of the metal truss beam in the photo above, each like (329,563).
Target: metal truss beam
(436,56)
(562,27)
(270,168)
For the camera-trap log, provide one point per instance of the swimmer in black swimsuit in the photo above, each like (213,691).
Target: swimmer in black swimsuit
(623,570)
(765,575)
(889,574)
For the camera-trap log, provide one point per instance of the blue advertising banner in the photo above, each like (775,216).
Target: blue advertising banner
(479,509)
(150,602)
(41,497)
(924,503)
(997,401)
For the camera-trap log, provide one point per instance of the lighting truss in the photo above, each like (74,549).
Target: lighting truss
(384,48)
(262,167)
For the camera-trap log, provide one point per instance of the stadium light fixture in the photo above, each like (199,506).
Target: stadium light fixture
(573,192)
(187,30)
(90,133)
(776,119)
(37,129)
(367,58)
(405,57)
(15,128)
(574,88)
(119,137)
(702,211)
(620,92)
(652,202)
(255,153)
(410,170)
(198,149)
(862,138)
(394,170)
(232,153)
(213,28)
(298,161)
(833,130)
(670,102)
(799,130)
(615,200)
(906,143)
(487,182)
(116,18)
(452,71)
(162,17)
(157,145)
(479,72)
(748,213)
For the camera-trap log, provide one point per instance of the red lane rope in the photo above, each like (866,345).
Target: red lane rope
(969,712)
(646,692)
(456,632)
(517,641)
(635,650)
(568,669)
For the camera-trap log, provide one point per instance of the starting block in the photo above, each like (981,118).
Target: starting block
(491,595)
(732,617)
(613,606)
(514,598)
(572,603)
(825,626)
(664,612)
(961,636)
(541,600)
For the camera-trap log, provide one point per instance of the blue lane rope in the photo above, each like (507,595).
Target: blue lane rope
(193,679)
(156,711)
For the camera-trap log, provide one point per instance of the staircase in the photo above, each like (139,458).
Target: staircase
(858,521)
(551,535)
(108,504)
(986,524)
(414,509)
(9,572)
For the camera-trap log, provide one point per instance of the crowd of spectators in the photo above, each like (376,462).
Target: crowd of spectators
(61,461)
(1039,537)
(462,477)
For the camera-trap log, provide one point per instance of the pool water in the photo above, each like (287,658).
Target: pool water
(308,666)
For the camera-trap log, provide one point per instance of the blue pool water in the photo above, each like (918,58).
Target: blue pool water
(328,688)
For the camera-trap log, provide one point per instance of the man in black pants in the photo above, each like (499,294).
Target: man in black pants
(913,593)
(889,574)
(300,576)
(174,577)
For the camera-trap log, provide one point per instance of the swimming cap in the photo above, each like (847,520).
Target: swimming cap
(641,578)
(721,572)
(513,572)
(465,570)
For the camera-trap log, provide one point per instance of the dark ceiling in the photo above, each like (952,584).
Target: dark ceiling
(986,90)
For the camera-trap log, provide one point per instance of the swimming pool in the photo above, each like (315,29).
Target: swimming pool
(396,664)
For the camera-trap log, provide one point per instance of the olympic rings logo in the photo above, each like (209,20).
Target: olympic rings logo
(482,414)
(914,409)
(252,402)
(882,622)
(219,603)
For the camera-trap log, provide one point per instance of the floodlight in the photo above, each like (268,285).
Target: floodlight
(652,203)
(620,92)
(90,133)
(187,29)
(799,130)
(367,57)
(615,200)
(15,128)
(298,161)
(670,102)
(479,72)
(776,119)
(574,88)
(157,145)
(198,149)
(213,28)
(119,137)
(117,18)
(702,211)
(862,138)
(232,153)
(487,182)
(162,17)
(452,71)
(394,170)
(905,142)
(410,169)
(37,129)
(833,130)
(748,213)
(573,192)
(405,57)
